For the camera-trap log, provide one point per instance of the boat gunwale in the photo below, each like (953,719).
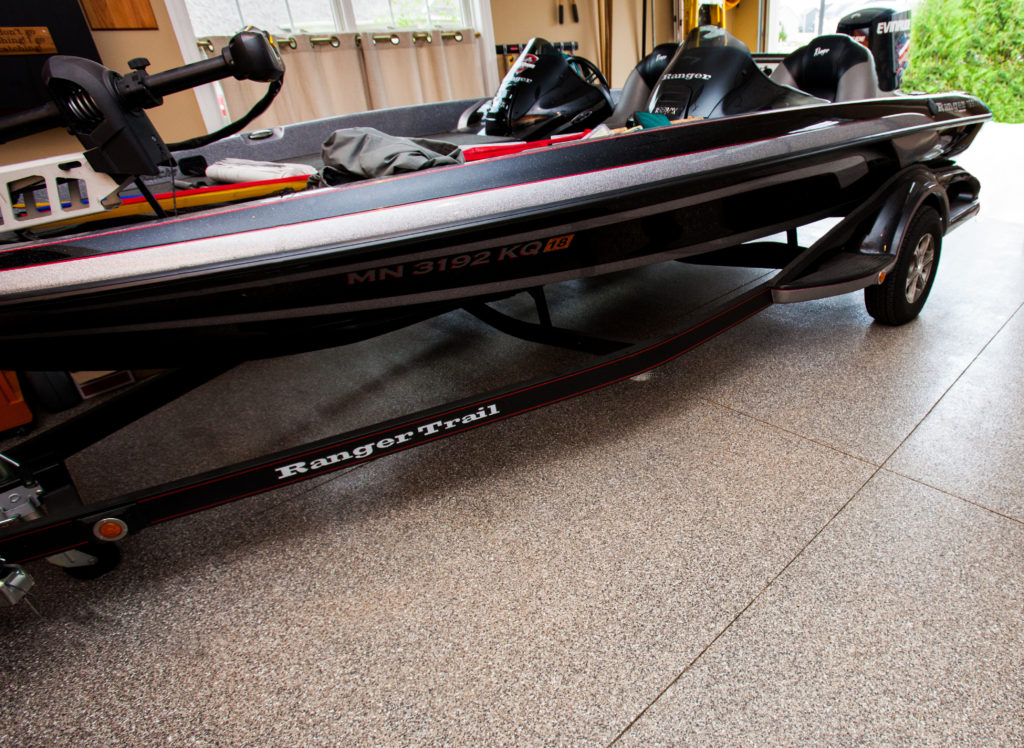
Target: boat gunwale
(46,292)
(843,110)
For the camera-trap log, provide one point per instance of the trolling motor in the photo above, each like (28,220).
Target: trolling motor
(106,110)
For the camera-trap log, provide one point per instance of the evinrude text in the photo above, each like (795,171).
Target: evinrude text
(889,27)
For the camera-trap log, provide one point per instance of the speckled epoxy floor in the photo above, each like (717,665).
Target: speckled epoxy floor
(809,531)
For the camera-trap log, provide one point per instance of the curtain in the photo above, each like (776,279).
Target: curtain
(408,67)
(341,73)
(323,77)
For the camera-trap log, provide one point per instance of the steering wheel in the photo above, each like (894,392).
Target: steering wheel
(589,72)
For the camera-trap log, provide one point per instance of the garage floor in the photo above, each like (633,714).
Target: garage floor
(808,531)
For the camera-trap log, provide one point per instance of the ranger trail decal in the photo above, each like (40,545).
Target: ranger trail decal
(340,455)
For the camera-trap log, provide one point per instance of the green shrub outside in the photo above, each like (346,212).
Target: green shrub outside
(975,46)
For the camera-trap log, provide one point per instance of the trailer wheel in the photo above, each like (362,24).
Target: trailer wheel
(107,555)
(53,390)
(902,295)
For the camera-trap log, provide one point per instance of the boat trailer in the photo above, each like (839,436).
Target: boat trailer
(42,514)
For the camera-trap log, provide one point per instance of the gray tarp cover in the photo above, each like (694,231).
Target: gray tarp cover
(364,152)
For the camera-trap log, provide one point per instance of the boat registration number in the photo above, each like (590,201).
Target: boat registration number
(461,261)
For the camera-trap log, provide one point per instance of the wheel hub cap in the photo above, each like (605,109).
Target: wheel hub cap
(921,265)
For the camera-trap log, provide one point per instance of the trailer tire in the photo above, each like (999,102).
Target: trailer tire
(53,390)
(107,555)
(901,296)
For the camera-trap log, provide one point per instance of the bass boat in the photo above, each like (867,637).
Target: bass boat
(94,278)
(112,261)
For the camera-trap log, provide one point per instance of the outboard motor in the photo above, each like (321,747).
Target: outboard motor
(713,75)
(887,34)
(545,93)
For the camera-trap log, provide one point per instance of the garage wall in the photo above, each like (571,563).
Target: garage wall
(517,22)
(177,119)
(742,22)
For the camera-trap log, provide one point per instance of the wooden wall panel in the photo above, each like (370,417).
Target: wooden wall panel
(119,14)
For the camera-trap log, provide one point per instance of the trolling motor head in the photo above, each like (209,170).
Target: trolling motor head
(105,110)
(546,93)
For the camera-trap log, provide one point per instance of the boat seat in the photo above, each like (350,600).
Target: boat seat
(636,94)
(833,67)
(720,80)
(641,81)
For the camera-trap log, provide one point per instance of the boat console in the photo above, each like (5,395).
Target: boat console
(546,93)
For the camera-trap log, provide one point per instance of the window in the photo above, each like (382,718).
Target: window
(195,22)
(376,14)
(793,23)
(225,17)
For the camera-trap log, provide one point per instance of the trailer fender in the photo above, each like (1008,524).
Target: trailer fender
(918,186)
(863,249)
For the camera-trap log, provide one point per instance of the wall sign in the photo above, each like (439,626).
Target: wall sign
(30,32)
(26,40)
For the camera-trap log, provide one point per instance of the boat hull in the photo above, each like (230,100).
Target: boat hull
(332,266)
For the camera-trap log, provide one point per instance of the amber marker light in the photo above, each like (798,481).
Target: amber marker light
(110,529)
(881,278)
